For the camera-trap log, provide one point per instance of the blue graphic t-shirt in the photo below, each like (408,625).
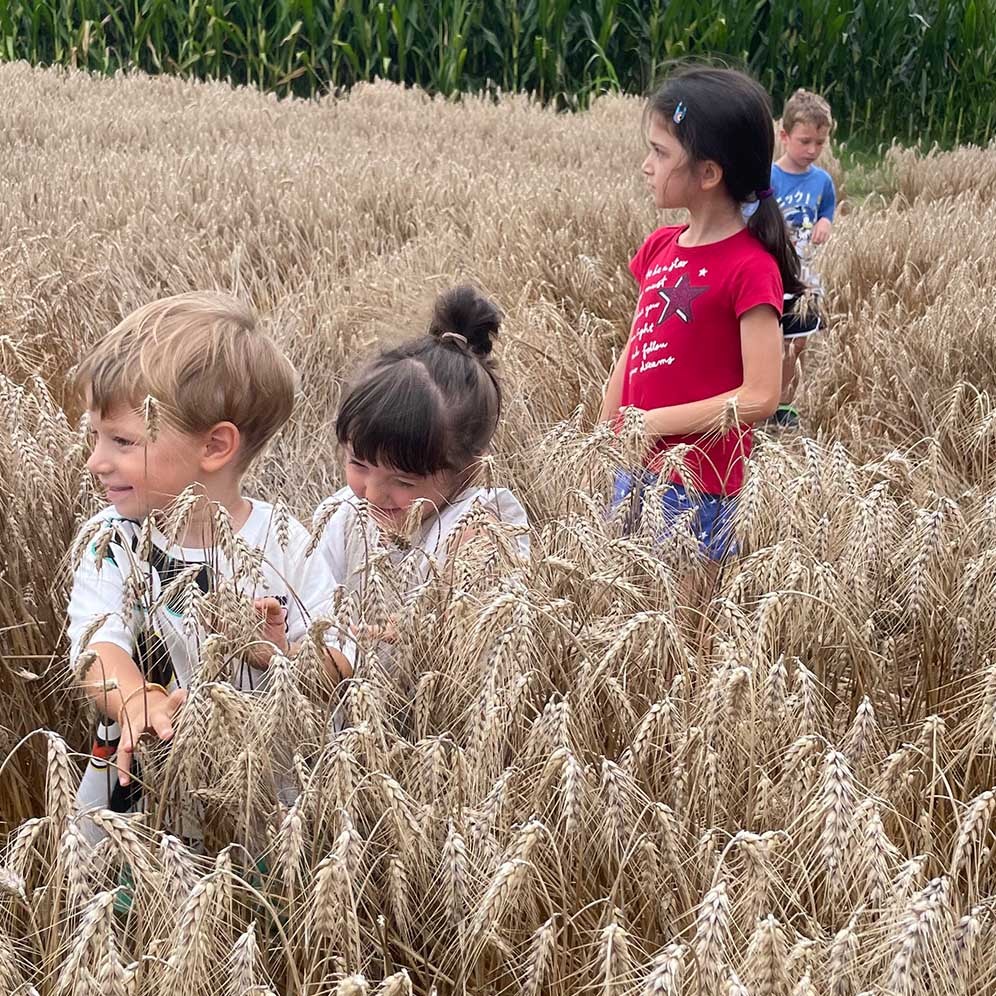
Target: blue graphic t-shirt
(804,198)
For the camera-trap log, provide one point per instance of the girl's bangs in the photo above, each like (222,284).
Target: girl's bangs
(399,428)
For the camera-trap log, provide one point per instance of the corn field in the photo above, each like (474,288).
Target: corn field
(573,777)
(924,70)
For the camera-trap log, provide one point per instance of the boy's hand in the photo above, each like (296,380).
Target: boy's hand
(388,633)
(273,630)
(151,712)
(821,232)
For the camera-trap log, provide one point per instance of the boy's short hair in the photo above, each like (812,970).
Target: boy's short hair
(806,107)
(202,358)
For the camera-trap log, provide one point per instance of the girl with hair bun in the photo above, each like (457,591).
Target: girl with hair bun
(413,428)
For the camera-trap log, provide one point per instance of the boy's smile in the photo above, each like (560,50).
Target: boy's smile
(140,475)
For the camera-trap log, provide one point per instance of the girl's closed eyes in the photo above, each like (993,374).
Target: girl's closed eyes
(413,429)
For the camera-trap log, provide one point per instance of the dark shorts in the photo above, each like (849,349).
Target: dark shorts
(801,319)
(711,519)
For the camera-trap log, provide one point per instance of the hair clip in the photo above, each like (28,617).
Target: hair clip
(462,339)
(679,112)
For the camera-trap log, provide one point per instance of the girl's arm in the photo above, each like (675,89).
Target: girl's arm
(758,395)
(613,391)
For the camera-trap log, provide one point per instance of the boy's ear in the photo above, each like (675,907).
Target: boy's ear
(222,443)
(710,174)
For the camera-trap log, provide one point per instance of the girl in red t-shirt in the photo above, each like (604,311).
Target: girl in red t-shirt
(706,329)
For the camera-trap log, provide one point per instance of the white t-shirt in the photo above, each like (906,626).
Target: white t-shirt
(161,634)
(350,535)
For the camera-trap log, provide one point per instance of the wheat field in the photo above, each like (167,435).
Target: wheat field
(569,781)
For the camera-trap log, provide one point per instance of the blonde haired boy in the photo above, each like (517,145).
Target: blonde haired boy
(808,200)
(182,396)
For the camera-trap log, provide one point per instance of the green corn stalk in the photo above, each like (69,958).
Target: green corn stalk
(917,69)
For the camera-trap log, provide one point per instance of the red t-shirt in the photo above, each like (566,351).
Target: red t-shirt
(685,342)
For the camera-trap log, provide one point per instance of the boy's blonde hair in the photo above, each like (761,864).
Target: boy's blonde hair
(806,107)
(203,359)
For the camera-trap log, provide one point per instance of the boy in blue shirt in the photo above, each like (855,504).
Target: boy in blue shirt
(807,197)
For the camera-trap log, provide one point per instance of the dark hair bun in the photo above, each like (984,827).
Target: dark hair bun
(465,312)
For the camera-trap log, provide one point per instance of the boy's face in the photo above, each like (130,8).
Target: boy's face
(804,143)
(392,492)
(140,475)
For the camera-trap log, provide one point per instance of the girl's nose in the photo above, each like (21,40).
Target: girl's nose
(375,495)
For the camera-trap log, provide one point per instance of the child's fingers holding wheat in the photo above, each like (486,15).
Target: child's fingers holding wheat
(386,632)
(151,712)
(272,631)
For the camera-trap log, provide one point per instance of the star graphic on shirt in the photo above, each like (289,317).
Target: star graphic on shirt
(703,272)
(678,300)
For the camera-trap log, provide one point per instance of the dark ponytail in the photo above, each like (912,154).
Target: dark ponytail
(726,117)
(433,403)
(767,225)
